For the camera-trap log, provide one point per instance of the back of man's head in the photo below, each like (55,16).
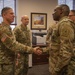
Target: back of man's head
(65,9)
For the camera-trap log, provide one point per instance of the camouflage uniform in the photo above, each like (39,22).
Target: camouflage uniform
(8,47)
(49,33)
(61,47)
(71,66)
(22,34)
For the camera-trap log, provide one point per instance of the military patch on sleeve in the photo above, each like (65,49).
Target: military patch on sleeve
(64,32)
(4,37)
(65,29)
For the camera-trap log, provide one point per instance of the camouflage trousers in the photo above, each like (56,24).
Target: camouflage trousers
(22,65)
(71,70)
(6,69)
(21,69)
(67,70)
(63,71)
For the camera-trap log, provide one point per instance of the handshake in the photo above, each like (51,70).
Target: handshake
(37,50)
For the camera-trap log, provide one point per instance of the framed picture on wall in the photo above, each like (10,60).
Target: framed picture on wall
(38,21)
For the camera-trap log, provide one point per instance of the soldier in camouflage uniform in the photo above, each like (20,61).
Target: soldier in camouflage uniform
(72,15)
(49,33)
(8,44)
(22,34)
(61,43)
(71,66)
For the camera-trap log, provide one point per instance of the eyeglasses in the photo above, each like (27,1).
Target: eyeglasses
(71,15)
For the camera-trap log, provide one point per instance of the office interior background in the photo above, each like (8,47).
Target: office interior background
(26,7)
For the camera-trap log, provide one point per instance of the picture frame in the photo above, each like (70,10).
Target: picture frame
(38,21)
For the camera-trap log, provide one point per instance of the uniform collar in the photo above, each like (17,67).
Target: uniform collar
(23,27)
(63,18)
(7,25)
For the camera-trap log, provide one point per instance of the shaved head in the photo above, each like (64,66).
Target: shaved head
(24,16)
(25,19)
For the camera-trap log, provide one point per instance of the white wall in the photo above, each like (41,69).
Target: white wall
(25,7)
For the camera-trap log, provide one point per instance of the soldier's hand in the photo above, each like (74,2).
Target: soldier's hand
(18,55)
(16,62)
(37,50)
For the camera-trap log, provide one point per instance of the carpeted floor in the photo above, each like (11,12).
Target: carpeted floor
(39,70)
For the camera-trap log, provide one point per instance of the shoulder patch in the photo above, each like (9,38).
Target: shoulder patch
(3,38)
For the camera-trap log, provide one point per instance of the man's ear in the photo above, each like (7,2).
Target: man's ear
(61,11)
(4,14)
